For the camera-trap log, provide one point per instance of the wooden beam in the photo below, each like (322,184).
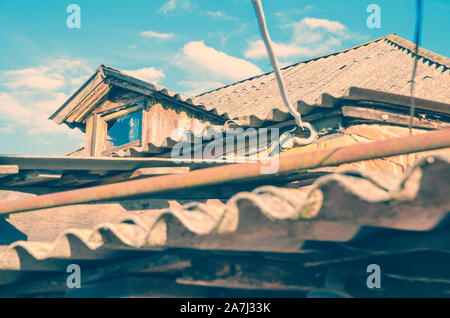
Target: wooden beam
(143,173)
(401,102)
(184,104)
(131,87)
(110,151)
(103,164)
(99,131)
(109,107)
(97,99)
(88,135)
(390,117)
(152,171)
(75,180)
(64,111)
(7,170)
(32,178)
(145,126)
(324,113)
(122,112)
(88,103)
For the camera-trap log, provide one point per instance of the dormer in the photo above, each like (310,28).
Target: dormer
(119,114)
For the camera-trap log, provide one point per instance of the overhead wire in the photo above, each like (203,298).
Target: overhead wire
(270,52)
(416,58)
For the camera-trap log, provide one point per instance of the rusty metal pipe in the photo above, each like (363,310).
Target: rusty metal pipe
(234,172)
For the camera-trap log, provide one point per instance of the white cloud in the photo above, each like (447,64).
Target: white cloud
(49,105)
(194,88)
(149,74)
(32,116)
(258,50)
(310,37)
(153,34)
(40,79)
(32,94)
(219,15)
(202,61)
(44,78)
(332,26)
(76,82)
(174,5)
(72,66)
(7,128)
(284,15)
(11,110)
(224,36)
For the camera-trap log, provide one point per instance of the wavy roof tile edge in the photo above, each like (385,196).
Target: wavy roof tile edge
(199,219)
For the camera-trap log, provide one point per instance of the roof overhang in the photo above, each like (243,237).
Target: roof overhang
(75,110)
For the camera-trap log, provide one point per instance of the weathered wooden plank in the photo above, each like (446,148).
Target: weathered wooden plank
(152,171)
(99,164)
(32,178)
(109,152)
(185,105)
(134,88)
(154,262)
(88,135)
(75,180)
(7,170)
(111,106)
(65,110)
(389,117)
(122,112)
(98,97)
(99,131)
(89,102)
(145,125)
(368,96)
(143,173)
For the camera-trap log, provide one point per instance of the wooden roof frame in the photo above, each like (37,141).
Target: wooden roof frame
(82,103)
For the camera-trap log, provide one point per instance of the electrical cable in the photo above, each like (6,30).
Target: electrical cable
(267,42)
(416,51)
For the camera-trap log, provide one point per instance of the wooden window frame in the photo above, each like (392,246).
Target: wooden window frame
(97,127)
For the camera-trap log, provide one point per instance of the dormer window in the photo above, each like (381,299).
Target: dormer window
(122,115)
(116,128)
(124,130)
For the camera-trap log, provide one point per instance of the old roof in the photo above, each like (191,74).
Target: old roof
(66,172)
(76,109)
(355,106)
(384,64)
(335,222)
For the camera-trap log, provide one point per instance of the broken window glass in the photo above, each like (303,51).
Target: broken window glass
(125,129)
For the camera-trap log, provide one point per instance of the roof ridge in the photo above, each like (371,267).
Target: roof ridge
(393,37)
(424,53)
(302,61)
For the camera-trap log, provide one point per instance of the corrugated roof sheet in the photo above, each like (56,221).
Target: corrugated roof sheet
(384,64)
(336,208)
(430,114)
(268,242)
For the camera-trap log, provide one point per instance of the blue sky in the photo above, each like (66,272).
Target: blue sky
(188,46)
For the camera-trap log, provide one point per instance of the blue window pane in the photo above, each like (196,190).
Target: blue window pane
(125,129)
